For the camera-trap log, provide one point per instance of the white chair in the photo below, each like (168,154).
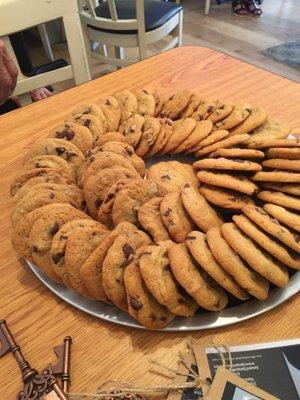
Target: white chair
(129,23)
(18,15)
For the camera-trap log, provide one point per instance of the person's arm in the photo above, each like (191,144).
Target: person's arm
(8,74)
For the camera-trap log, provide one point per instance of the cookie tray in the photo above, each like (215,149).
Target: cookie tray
(207,320)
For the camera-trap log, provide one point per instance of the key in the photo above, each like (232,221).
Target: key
(36,385)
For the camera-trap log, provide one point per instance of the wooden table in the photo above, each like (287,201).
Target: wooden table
(104,351)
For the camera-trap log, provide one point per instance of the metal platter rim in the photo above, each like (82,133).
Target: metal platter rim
(209,320)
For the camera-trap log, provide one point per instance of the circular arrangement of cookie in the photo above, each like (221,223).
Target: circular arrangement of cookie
(170,239)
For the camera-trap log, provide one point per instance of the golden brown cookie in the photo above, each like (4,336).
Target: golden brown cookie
(248,279)
(123,149)
(291,188)
(90,121)
(119,255)
(182,129)
(172,175)
(41,236)
(91,269)
(291,153)
(91,109)
(22,230)
(198,209)
(166,131)
(142,306)
(131,128)
(236,152)
(110,107)
(194,280)
(58,244)
(225,198)
(96,186)
(77,134)
(222,109)
(175,104)
(204,109)
(145,103)
(175,217)
(79,246)
(228,142)
(111,137)
(197,244)
(286,217)
(227,164)
(57,147)
(191,106)
(127,103)
(268,142)
(282,164)
(150,219)
(200,132)
(105,210)
(259,260)
(256,117)
(280,199)
(267,242)
(239,113)
(150,132)
(276,176)
(212,138)
(272,227)
(129,199)
(29,203)
(157,275)
(235,182)
(50,161)
(44,175)
(271,129)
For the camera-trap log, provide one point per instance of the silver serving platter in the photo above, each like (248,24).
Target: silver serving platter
(207,320)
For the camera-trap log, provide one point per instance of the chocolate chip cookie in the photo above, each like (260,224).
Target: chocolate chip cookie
(159,279)
(175,217)
(194,280)
(225,198)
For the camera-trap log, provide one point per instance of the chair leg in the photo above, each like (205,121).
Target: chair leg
(207,6)
(46,42)
(178,29)
(119,53)
(76,44)
(24,99)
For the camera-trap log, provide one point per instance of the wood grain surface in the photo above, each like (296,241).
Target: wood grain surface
(103,351)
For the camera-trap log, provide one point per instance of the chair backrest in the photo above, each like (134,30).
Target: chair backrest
(88,16)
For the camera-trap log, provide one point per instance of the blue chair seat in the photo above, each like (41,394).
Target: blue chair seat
(157,13)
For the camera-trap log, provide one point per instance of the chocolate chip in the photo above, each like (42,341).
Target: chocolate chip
(297,238)
(69,155)
(108,103)
(222,107)
(52,196)
(54,229)
(145,91)
(190,238)
(210,109)
(135,304)
(167,212)
(146,253)
(109,197)
(162,319)
(60,150)
(186,185)
(98,203)
(152,317)
(128,151)
(35,249)
(57,257)
(127,251)
(87,123)
(200,117)
(166,177)
(131,130)
(69,135)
